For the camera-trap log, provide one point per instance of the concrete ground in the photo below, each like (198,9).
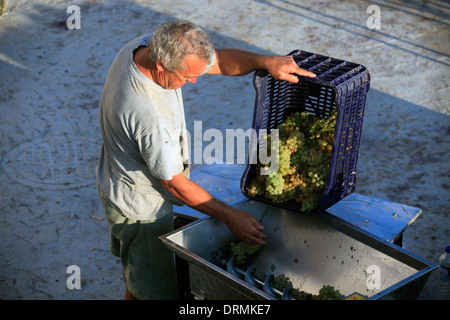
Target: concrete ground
(51,81)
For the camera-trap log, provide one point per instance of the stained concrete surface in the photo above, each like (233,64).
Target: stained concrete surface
(52,77)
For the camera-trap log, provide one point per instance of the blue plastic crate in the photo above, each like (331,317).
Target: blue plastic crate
(339,85)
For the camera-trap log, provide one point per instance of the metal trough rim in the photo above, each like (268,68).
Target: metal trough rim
(422,266)
(206,265)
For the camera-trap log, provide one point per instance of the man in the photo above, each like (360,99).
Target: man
(143,165)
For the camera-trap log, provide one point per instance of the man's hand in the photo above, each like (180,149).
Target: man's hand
(285,68)
(245,226)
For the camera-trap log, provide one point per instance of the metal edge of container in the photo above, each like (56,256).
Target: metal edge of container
(209,267)
(407,288)
(399,289)
(373,241)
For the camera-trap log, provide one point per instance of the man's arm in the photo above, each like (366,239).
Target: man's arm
(237,62)
(241,223)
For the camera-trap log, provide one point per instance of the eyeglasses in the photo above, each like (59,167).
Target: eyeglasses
(183,77)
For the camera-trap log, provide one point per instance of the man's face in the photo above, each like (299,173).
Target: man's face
(193,67)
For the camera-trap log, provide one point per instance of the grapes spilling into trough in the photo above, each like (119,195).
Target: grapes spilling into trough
(241,250)
(304,149)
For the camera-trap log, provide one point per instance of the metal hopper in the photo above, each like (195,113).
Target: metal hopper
(311,251)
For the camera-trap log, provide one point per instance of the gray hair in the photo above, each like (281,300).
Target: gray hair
(175,40)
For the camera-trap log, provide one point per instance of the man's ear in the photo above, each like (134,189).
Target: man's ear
(159,66)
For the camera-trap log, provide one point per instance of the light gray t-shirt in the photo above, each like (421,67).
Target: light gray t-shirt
(144,139)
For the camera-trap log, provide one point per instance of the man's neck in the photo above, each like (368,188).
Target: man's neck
(142,62)
(149,68)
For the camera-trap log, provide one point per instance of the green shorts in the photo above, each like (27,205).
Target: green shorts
(148,266)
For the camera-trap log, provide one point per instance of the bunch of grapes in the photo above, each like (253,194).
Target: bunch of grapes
(242,249)
(328,293)
(280,282)
(300,294)
(304,150)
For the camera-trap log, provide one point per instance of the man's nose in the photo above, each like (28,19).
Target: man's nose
(192,80)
